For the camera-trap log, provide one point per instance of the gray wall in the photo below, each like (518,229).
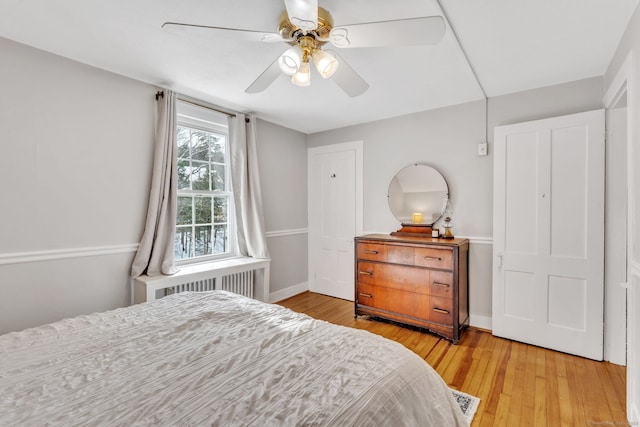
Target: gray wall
(75,159)
(447,139)
(282,156)
(76,146)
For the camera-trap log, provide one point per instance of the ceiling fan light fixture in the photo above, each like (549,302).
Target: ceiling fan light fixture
(290,60)
(325,63)
(303,76)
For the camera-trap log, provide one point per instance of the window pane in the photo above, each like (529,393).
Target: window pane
(218,149)
(203,210)
(203,223)
(183,247)
(200,145)
(200,176)
(203,244)
(218,177)
(220,238)
(184,174)
(185,213)
(220,209)
(183,138)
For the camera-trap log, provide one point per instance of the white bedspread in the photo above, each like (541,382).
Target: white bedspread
(214,358)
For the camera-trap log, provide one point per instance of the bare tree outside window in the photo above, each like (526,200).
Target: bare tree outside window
(202,226)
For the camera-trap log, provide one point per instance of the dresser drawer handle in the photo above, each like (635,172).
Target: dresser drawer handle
(439,310)
(365,295)
(368,273)
(443,285)
(371,252)
(433,258)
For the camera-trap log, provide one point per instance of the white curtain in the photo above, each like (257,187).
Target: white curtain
(155,253)
(245,181)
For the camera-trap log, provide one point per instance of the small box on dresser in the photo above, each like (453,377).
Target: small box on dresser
(419,281)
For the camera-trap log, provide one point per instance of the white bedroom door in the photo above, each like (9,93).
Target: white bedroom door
(335,212)
(548,272)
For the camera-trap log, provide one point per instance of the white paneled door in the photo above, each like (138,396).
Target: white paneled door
(335,217)
(548,272)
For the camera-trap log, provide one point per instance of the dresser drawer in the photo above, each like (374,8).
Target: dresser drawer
(372,252)
(401,277)
(392,300)
(400,254)
(441,310)
(441,283)
(433,258)
(367,294)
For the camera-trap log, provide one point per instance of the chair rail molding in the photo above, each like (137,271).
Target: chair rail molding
(67,253)
(477,240)
(284,233)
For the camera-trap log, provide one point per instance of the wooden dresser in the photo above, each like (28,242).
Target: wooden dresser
(420,281)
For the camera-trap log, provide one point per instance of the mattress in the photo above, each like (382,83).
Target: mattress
(214,358)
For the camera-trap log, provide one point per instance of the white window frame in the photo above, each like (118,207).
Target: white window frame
(208,120)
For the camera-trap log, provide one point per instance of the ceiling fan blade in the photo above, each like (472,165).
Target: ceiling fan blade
(265,79)
(401,32)
(348,80)
(303,13)
(251,35)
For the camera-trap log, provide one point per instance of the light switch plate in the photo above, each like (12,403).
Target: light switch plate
(482,149)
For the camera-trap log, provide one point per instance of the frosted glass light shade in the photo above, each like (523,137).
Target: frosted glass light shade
(303,76)
(289,61)
(325,63)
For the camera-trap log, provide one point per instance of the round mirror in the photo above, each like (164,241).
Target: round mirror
(418,195)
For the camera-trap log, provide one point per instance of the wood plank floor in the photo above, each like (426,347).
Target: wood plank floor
(518,384)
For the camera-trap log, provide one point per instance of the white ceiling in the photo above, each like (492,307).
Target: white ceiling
(513,45)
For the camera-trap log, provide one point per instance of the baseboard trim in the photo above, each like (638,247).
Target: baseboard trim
(476,328)
(480,322)
(57,254)
(288,292)
(634,416)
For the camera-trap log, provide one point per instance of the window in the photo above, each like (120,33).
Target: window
(205,226)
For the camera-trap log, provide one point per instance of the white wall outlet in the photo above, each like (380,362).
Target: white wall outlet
(482,149)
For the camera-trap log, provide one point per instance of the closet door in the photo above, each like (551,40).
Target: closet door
(548,272)
(335,217)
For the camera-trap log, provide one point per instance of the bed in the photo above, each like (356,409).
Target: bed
(214,358)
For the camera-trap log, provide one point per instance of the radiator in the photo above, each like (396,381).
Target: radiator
(238,283)
(244,276)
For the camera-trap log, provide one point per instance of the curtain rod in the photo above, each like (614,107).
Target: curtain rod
(202,104)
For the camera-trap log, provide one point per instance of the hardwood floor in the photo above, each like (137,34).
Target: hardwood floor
(518,384)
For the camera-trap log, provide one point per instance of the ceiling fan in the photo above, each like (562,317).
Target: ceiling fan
(307,28)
